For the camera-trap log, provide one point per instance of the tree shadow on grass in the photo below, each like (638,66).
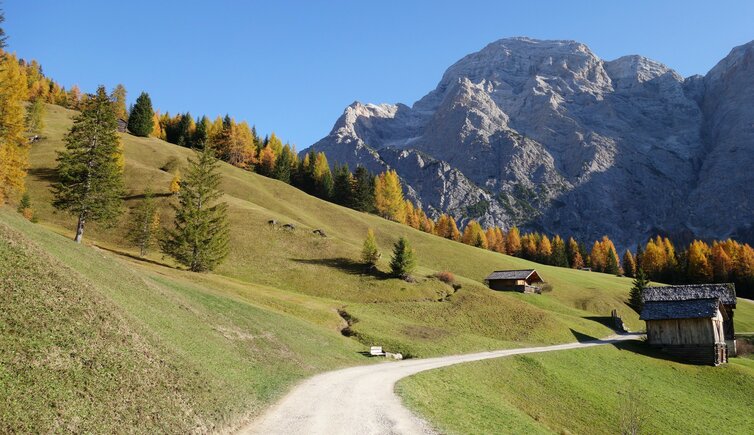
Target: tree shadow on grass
(132,256)
(142,196)
(581,337)
(346,265)
(45,174)
(603,320)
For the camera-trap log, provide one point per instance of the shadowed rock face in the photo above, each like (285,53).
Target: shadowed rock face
(545,135)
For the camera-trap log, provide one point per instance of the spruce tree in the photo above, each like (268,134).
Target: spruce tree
(629,264)
(636,296)
(403,261)
(283,165)
(363,190)
(144,224)
(343,186)
(90,175)
(3,37)
(370,254)
(200,238)
(611,262)
(141,119)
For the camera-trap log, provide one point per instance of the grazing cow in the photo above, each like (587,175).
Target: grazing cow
(272,222)
(320,233)
(289,227)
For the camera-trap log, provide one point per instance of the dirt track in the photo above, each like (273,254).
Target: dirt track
(361,400)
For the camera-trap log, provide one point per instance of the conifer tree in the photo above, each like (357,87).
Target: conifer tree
(201,134)
(370,254)
(636,295)
(343,186)
(267,162)
(118,95)
(559,257)
(14,147)
(514,242)
(699,268)
(611,262)
(544,249)
(141,118)
(453,232)
(201,234)
(474,235)
(572,250)
(363,190)
(145,222)
(90,177)
(403,261)
(284,164)
(3,37)
(629,264)
(35,113)
(24,206)
(323,181)
(389,197)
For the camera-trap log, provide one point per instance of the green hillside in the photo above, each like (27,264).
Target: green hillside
(586,391)
(211,350)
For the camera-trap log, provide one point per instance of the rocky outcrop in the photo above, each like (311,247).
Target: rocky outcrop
(546,135)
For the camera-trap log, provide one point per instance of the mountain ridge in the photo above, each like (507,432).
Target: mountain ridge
(550,136)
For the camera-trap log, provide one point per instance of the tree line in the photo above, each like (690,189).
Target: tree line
(239,144)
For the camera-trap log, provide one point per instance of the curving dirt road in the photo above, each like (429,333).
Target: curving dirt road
(360,400)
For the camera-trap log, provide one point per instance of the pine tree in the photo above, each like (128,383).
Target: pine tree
(636,296)
(89,172)
(141,118)
(363,190)
(145,222)
(201,134)
(14,147)
(370,254)
(118,95)
(35,113)
(403,261)
(201,235)
(474,235)
(3,37)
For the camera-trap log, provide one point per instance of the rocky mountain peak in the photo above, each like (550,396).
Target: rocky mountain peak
(548,136)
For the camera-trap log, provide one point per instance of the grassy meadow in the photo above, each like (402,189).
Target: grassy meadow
(206,352)
(585,391)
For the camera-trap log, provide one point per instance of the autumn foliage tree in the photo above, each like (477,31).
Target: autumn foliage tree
(14,146)
(389,199)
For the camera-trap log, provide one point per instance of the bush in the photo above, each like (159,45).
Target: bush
(546,287)
(446,277)
(171,165)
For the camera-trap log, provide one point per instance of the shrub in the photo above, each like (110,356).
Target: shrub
(745,346)
(446,277)
(546,287)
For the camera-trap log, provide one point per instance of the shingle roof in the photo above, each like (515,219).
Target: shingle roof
(510,274)
(684,309)
(725,292)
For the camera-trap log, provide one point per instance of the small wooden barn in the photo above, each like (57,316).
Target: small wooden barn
(691,322)
(523,281)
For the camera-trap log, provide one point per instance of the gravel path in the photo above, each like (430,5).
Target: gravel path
(361,400)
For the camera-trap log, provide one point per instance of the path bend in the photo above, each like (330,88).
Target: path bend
(361,399)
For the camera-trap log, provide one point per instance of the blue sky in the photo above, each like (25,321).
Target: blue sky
(293,66)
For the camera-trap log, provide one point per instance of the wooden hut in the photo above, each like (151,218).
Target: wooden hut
(523,281)
(691,322)
(726,292)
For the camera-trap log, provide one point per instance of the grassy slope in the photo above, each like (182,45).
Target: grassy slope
(582,391)
(193,359)
(306,264)
(268,317)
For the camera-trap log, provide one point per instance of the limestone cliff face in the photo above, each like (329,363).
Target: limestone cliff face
(546,135)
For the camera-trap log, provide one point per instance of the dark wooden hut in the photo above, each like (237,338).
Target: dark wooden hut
(523,281)
(691,322)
